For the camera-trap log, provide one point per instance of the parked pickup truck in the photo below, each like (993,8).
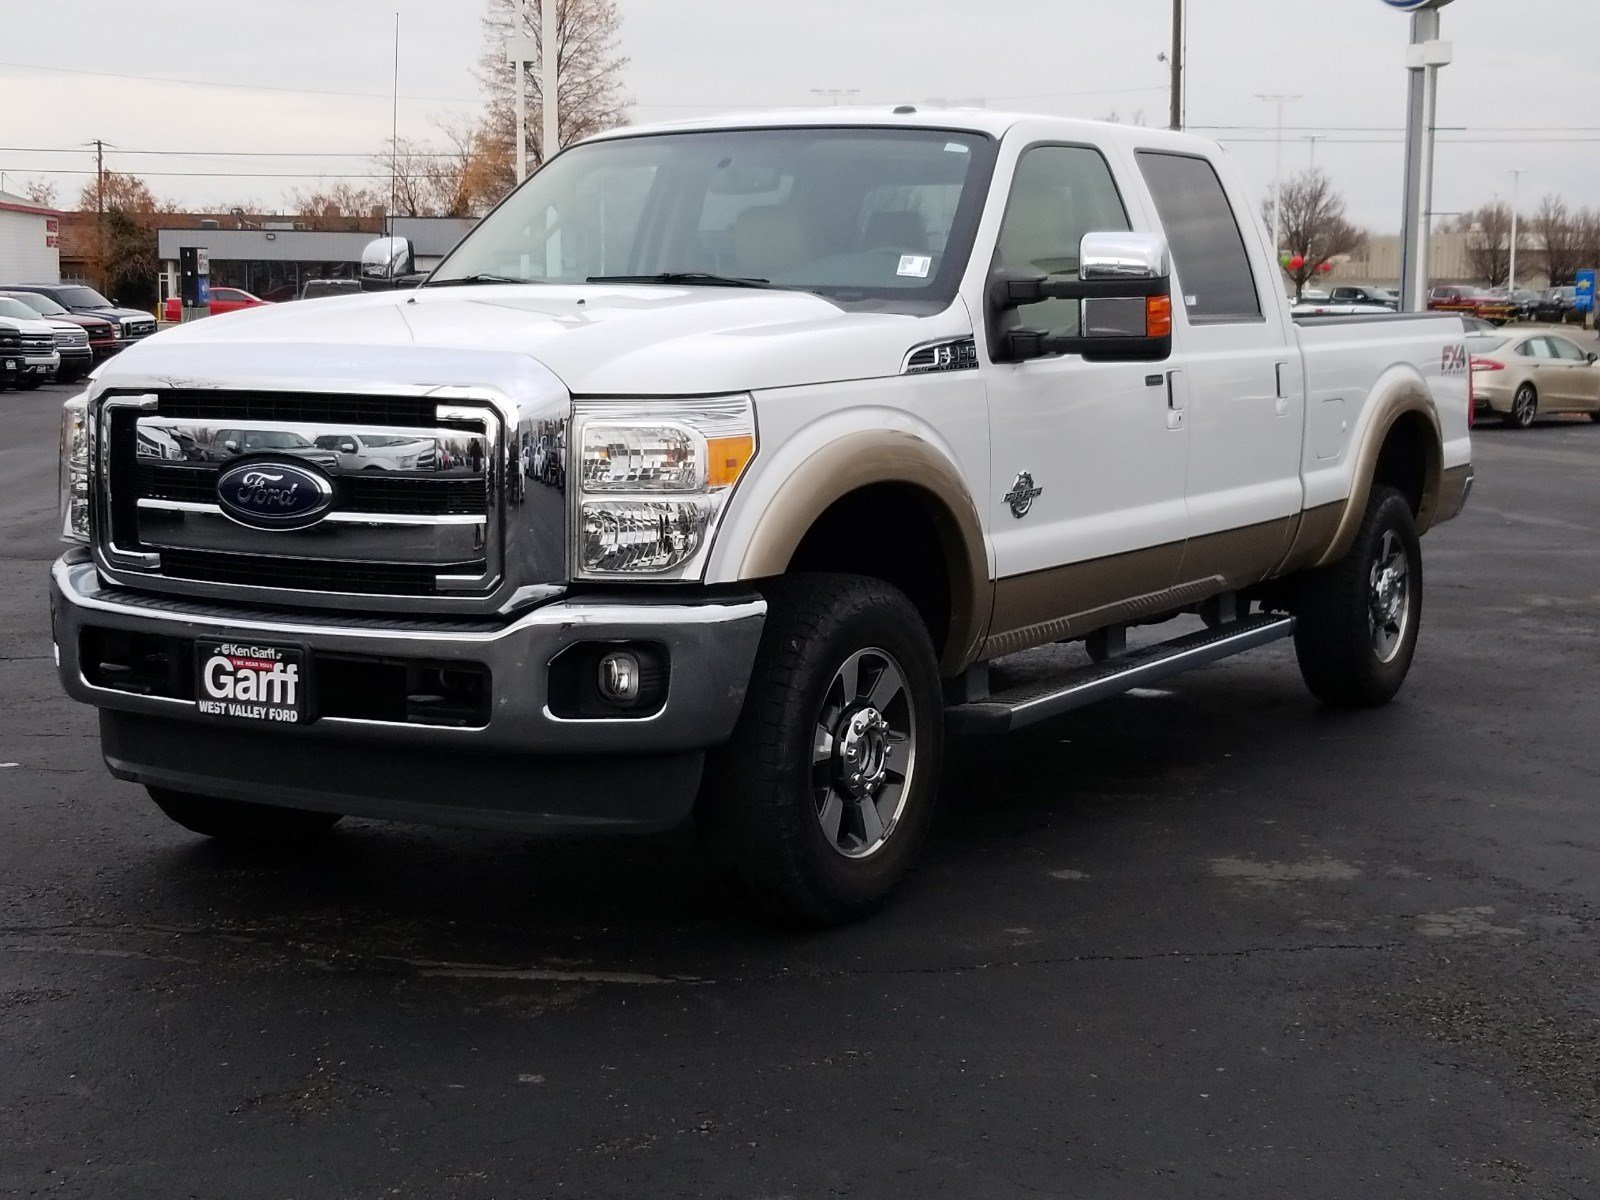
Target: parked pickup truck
(855,411)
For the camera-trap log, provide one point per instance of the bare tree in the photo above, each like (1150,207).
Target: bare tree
(1587,224)
(462,179)
(591,96)
(1488,231)
(1315,230)
(1559,239)
(41,192)
(338,206)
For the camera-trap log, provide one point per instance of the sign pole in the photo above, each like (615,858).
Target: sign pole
(1424,57)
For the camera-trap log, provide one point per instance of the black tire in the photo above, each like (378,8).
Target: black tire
(779,808)
(1346,658)
(240,820)
(29,384)
(1524,407)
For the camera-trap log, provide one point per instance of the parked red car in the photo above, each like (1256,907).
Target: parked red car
(1472,302)
(222,300)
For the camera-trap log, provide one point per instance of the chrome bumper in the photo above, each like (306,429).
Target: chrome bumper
(710,645)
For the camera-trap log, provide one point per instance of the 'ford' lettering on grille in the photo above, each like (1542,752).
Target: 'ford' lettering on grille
(274,494)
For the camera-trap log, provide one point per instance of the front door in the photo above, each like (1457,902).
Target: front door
(1087,504)
(1246,393)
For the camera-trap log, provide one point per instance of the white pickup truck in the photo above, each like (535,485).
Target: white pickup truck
(855,412)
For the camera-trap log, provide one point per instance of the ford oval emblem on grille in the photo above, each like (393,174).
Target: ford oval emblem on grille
(273,494)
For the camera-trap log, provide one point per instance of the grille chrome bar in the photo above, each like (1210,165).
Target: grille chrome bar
(417,508)
(333,518)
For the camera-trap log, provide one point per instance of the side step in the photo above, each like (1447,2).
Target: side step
(1005,711)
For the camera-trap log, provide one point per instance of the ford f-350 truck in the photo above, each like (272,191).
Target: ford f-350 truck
(853,411)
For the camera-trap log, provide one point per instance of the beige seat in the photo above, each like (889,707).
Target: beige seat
(767,241)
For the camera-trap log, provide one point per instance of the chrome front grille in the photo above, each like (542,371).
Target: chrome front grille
(70,339)
(38,343)
(417,488)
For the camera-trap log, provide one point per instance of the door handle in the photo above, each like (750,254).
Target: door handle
(1177,401)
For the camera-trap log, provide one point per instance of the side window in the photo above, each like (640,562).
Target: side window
(1207,247)
(1542,349)
(1566,351)
(1059,193)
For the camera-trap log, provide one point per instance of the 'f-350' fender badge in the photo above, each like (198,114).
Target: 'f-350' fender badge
(1022,495)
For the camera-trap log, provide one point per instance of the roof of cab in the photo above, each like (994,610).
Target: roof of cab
(969,120)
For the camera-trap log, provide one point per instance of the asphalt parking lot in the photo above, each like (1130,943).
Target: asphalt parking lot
(1205,941)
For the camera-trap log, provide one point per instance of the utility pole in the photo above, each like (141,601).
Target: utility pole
(100,206)
(1277,174)
(1177,65)
(1516,179)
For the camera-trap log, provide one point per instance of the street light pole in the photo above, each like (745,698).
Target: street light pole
(1516,179)
(1277,174)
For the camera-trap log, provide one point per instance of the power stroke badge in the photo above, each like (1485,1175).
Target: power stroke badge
(1022,495)
(251,682)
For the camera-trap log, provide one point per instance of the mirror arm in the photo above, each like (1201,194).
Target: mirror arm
(1013,289)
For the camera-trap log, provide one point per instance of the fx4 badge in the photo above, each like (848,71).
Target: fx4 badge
(1022,495)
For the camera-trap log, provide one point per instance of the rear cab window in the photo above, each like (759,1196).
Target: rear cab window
(1208,251)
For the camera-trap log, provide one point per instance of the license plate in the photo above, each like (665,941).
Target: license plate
(13,365)
(248,681)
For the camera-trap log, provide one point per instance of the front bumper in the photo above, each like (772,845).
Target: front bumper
(572,772)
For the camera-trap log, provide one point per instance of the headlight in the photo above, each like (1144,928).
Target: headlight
(653,478)
(75,451)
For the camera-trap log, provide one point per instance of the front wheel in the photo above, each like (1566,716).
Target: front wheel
(817,804)
(1357,621)
(1524,407)
(240,820)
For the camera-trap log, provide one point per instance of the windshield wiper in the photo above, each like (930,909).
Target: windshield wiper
(699,278)
(483,278)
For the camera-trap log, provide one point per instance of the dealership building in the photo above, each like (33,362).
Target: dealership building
(278,258)
(30,241)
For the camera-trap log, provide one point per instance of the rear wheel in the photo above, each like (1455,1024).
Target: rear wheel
(1357,621)
(240,820)
(818,802)
(1524,407)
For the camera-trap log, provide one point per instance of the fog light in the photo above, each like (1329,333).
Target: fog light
(619,677)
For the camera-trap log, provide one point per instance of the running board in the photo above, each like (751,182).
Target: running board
(1006,711)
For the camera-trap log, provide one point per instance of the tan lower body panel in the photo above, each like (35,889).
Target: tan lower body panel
(1074,600)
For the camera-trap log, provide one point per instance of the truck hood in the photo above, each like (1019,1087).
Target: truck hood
(598,340)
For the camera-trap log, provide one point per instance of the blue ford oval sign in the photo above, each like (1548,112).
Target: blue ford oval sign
(1414,5)
(273,494)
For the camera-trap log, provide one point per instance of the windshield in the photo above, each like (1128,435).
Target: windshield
(16,310)
(851,214)
(41,305)
(84,297)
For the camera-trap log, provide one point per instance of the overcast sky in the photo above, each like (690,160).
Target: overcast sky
(1524,91)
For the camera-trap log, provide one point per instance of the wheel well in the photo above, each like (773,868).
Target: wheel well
(1407,460)
(891,532)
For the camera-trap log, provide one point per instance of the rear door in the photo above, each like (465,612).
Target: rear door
(1572,368)
(1245,388)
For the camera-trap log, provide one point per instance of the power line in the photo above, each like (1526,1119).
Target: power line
(249,87)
